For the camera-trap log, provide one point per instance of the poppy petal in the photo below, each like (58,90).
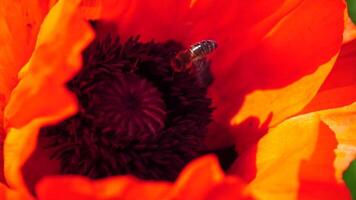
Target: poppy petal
(284,56)
(209,173)
(81,188)
(201,179)
(186,20)
(278,103)
(55,60)
(297,157)
(266,81)
(19,25)
(40,97)
(9,194)
(339,89)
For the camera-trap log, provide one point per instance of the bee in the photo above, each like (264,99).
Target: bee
(184,59)
(195,62)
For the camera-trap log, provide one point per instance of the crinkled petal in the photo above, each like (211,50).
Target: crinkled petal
(19,25)
(41,97)
(56,59)
(201,179)
(304,156)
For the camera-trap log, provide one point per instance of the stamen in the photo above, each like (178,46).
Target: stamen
(137,115)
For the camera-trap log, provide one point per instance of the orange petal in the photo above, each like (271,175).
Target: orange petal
(204,179)
(196,180)
(19,25)
(9,194)
(41,97)
(296,159)
(285,101)
(272,106)
(201,179)
(55,60)
(339,88)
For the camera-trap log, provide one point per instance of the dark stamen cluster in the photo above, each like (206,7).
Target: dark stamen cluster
(136,115)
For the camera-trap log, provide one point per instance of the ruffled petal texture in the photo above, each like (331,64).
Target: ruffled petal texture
(201,179)
(304,157)
(19,25)
(41,97)
(266,69)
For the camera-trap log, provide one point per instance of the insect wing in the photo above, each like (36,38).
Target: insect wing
(201,71)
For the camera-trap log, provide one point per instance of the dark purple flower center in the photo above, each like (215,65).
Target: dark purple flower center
(127,104)
(136,114)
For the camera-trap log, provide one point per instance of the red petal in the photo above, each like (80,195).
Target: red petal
(252,83)
(80,188)
(286,54)
(201,179)
(339,88)
(317,173)
(158,20)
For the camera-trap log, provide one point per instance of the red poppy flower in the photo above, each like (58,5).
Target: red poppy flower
(272,58)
